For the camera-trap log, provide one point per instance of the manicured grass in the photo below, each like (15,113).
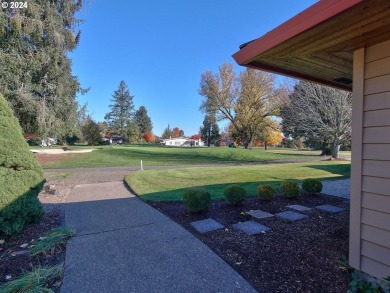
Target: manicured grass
(169,185)
(152,155)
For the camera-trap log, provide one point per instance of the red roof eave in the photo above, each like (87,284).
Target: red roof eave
(312,16)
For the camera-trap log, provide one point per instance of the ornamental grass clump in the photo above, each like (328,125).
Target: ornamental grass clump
(235,194)
(265,192)
(312,186)
(51,240)
(21,177)
(196,199)
(290,189)
(33,281)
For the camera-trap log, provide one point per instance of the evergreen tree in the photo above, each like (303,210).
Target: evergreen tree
(143,120)
(36,76)
(209,130)
(168,133)
(91,132)
(133,132)
(121,112)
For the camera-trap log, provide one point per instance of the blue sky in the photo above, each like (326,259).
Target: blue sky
(160,49)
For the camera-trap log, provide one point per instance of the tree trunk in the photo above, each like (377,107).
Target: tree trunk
(248,142)
(323,149)
(336,148)
(265,146)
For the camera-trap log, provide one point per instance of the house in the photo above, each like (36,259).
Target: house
(182,141)
(346,44)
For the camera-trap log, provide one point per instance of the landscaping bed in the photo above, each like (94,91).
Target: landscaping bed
(307,255)
(12,267)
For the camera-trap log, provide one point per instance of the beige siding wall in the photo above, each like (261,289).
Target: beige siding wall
(372,253)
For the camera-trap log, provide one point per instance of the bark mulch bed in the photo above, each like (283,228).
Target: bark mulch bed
(11,267)
(302,256)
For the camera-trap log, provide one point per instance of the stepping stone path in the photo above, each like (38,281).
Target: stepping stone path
(207,225)
(258,214)
(251,227)
(329,208)
(291,216)
(299,208)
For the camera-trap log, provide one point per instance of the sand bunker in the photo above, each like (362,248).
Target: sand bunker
(60,151)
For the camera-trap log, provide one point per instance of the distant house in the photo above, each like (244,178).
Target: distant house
(182,141)
(346,44)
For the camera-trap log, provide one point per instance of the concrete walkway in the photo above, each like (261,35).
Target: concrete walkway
(124,245)
(340,188)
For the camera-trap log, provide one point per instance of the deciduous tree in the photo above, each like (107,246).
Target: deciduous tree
(176,131)
(245,100)
(209,130)
(149,137)
(319,113)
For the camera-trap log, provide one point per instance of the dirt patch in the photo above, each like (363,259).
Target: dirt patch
(44,159)
(301,256)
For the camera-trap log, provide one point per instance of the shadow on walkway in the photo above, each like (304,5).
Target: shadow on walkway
(124,245)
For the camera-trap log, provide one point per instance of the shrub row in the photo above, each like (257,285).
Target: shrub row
(198,199)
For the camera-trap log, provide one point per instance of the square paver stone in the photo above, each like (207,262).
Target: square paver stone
(299,208)
(290,215)
(258,214)
(207,225)
(251,227)
(329,208)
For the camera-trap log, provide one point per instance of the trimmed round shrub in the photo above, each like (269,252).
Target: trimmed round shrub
(235,194)
(290,189)
(265,192)
(312,185)
(196,199)
(21,177)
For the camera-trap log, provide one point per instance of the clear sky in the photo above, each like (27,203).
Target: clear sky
(160,48)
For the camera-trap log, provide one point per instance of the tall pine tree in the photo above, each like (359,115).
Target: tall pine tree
(119,117)
(36,76)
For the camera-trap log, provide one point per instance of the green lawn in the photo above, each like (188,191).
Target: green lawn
(152,155)
(169,185)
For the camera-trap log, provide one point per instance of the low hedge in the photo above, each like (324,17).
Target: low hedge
(290,189)
(312,186)
(235,194)
(196,199)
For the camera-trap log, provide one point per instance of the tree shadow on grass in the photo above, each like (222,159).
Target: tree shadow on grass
(343,170)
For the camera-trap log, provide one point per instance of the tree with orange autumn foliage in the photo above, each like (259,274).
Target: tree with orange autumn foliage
(177,132)
(149,137)
(270,134)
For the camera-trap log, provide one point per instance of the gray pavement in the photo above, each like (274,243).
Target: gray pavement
(124,245)
(340,188)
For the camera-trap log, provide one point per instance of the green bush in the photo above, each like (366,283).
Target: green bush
(312,185)
(290,189)
(265,192)
(196,199)
(235,194)
(21,177)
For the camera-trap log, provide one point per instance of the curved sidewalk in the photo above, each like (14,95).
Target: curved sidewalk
(124,245)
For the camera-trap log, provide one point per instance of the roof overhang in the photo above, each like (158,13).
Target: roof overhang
(318,43)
